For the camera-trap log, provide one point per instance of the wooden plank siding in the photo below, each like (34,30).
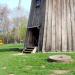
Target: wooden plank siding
(45,27)
(60,25)
(42,20)
(49,27)
(34,18)
(72,23)
(53,25)
(64,28)
(69,27)
(56,19)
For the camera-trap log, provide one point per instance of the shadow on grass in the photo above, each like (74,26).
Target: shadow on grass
(11,49)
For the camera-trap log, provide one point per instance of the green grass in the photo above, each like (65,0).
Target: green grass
(30,64)
(6,46)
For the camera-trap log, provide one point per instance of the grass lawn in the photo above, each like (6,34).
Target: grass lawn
(31,64)
(7,46)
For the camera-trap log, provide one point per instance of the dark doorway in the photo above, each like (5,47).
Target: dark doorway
(35,36)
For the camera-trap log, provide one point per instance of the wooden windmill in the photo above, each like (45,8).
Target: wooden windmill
(51,25)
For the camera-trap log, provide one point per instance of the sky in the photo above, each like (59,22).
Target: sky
(14,3)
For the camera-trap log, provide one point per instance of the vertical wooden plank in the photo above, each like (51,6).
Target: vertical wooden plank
(26,39)
(53,25)
(60,23)
(73,23)
(32,14)
(64,28)
(33,18)
(30,39)
(39,17)
(57,25)
(69,33)
(49,27)
(42,21)
(38,13)
(45,27)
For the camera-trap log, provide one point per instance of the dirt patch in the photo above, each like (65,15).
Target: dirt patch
(18,54)
(43,66)
(4,68)
(29,67)
(11,74)
(59,72)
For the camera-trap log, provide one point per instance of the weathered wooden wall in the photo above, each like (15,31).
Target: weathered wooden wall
(36,19)
(56,19)
(59,27)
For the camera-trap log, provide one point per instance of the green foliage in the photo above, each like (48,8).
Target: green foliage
(21,28)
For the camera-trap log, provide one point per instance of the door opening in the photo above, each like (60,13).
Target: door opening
(35,36)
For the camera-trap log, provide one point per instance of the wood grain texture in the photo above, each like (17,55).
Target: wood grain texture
(64,29)
(56,19)
(57,25)
(73,24)
(49,27)
(45,27)
(53,25)
(69,27)
(60,24)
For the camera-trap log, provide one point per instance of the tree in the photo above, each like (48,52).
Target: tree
(21,22)
(20,33)
(4,21)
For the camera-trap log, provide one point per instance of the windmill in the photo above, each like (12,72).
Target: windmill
(51,25)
